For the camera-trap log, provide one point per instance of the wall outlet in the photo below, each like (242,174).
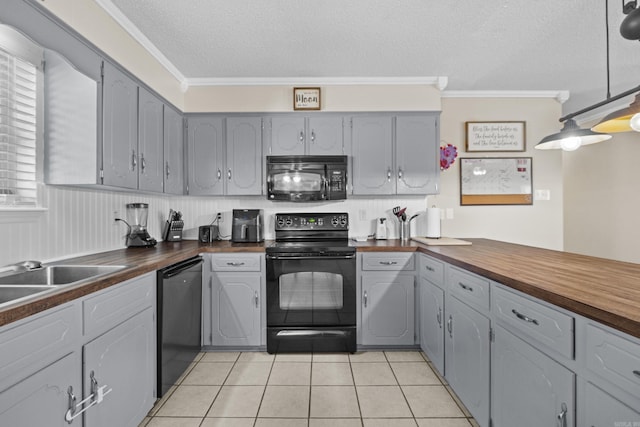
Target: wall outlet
(542,195)
(116,214)
(219,218)
(449,213)
(362,214)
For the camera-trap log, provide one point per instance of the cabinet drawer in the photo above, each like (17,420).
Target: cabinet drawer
(110,307)
(432,270)
(472,289)
(534,322)
(30,345)
(236,262)
(614,359)
(388,261)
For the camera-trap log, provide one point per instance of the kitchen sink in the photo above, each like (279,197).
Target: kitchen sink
(15,292)
(57,275)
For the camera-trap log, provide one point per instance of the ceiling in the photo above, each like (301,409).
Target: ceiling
(498,45)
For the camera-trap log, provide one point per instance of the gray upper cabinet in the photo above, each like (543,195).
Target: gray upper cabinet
(300,135)
(150,142)
(372,155)
(173,151)
(417,154)
(395,154)
(244,155)
(205,155)
(120,128)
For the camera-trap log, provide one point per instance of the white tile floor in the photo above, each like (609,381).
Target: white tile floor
(367,389)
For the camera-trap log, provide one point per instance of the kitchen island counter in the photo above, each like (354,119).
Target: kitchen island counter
(604,290)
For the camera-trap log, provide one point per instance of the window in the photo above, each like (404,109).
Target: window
(18,120)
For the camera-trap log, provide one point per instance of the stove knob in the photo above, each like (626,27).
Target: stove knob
(289,222)
(335,221)
(343,221)
(280,222)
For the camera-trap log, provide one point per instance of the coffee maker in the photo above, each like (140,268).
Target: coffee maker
(247,226)
(137,235)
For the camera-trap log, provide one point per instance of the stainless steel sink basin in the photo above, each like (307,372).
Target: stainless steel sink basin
(57,275)
(16,292)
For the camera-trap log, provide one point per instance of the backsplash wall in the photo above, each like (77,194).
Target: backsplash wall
(80,221)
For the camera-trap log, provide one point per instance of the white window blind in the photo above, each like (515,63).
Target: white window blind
(18,97)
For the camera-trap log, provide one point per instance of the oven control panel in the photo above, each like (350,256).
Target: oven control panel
(311,221)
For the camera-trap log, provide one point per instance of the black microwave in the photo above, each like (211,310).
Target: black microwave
(306,178)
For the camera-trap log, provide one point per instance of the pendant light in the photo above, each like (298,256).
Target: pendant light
(570,138)
(624,120)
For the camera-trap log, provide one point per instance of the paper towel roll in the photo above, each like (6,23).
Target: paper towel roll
(433,223)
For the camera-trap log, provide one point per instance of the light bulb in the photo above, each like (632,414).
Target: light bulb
(634,122)
(571,144)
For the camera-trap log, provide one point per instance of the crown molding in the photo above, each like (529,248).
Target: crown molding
(560,95)
(113,11)
(439,81)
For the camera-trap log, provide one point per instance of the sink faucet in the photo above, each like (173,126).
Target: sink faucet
(22,266)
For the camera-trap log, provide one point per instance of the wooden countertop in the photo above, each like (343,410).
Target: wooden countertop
(604,290)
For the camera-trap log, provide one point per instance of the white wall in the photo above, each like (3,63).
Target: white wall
(602,198)
(539,224)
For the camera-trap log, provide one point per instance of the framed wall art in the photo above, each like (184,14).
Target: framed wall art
(495,136)
(306,98)
(496,181)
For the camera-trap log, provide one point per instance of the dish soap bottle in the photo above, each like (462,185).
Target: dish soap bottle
(381,229)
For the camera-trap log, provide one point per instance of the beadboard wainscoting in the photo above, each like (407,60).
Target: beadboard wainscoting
(79,221)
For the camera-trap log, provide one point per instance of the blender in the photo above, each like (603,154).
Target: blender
(137,234)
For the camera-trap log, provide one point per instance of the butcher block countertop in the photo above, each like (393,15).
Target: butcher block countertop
(600,289)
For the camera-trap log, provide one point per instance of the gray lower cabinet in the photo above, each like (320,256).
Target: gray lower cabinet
(300,135)
(105,339)
(387,308)
(600,409)
(528,388)
(395,154)
(42,399)
(232,300)
(224,155)
(467,357)
(432,322)
(121,360)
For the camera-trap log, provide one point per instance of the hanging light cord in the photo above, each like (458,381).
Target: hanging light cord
(609,97)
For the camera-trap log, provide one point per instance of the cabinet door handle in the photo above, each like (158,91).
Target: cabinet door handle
(388,262)
(235,264)
(256,299)
(143,163)
(562,416)
(389,175)
(301,137)
(399,173)
(313,135)
(219,174)
(636,373)
(364,298)
(229,173)
(450,326)
(168,170)
(431,269)
(439,317)
(465,287)
(525,318)
(134,160)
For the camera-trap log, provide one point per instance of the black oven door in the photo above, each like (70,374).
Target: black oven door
(311,302)
(311,290)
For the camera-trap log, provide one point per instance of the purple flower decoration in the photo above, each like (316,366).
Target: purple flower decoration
(448,155)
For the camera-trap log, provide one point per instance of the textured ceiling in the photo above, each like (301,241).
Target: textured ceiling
(479,45)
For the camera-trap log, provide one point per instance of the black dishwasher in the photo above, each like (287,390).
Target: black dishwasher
(179,297)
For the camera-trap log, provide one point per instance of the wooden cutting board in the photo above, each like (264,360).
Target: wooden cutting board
(443,241)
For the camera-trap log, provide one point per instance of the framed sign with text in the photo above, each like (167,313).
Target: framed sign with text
(306,98)
(495,136)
